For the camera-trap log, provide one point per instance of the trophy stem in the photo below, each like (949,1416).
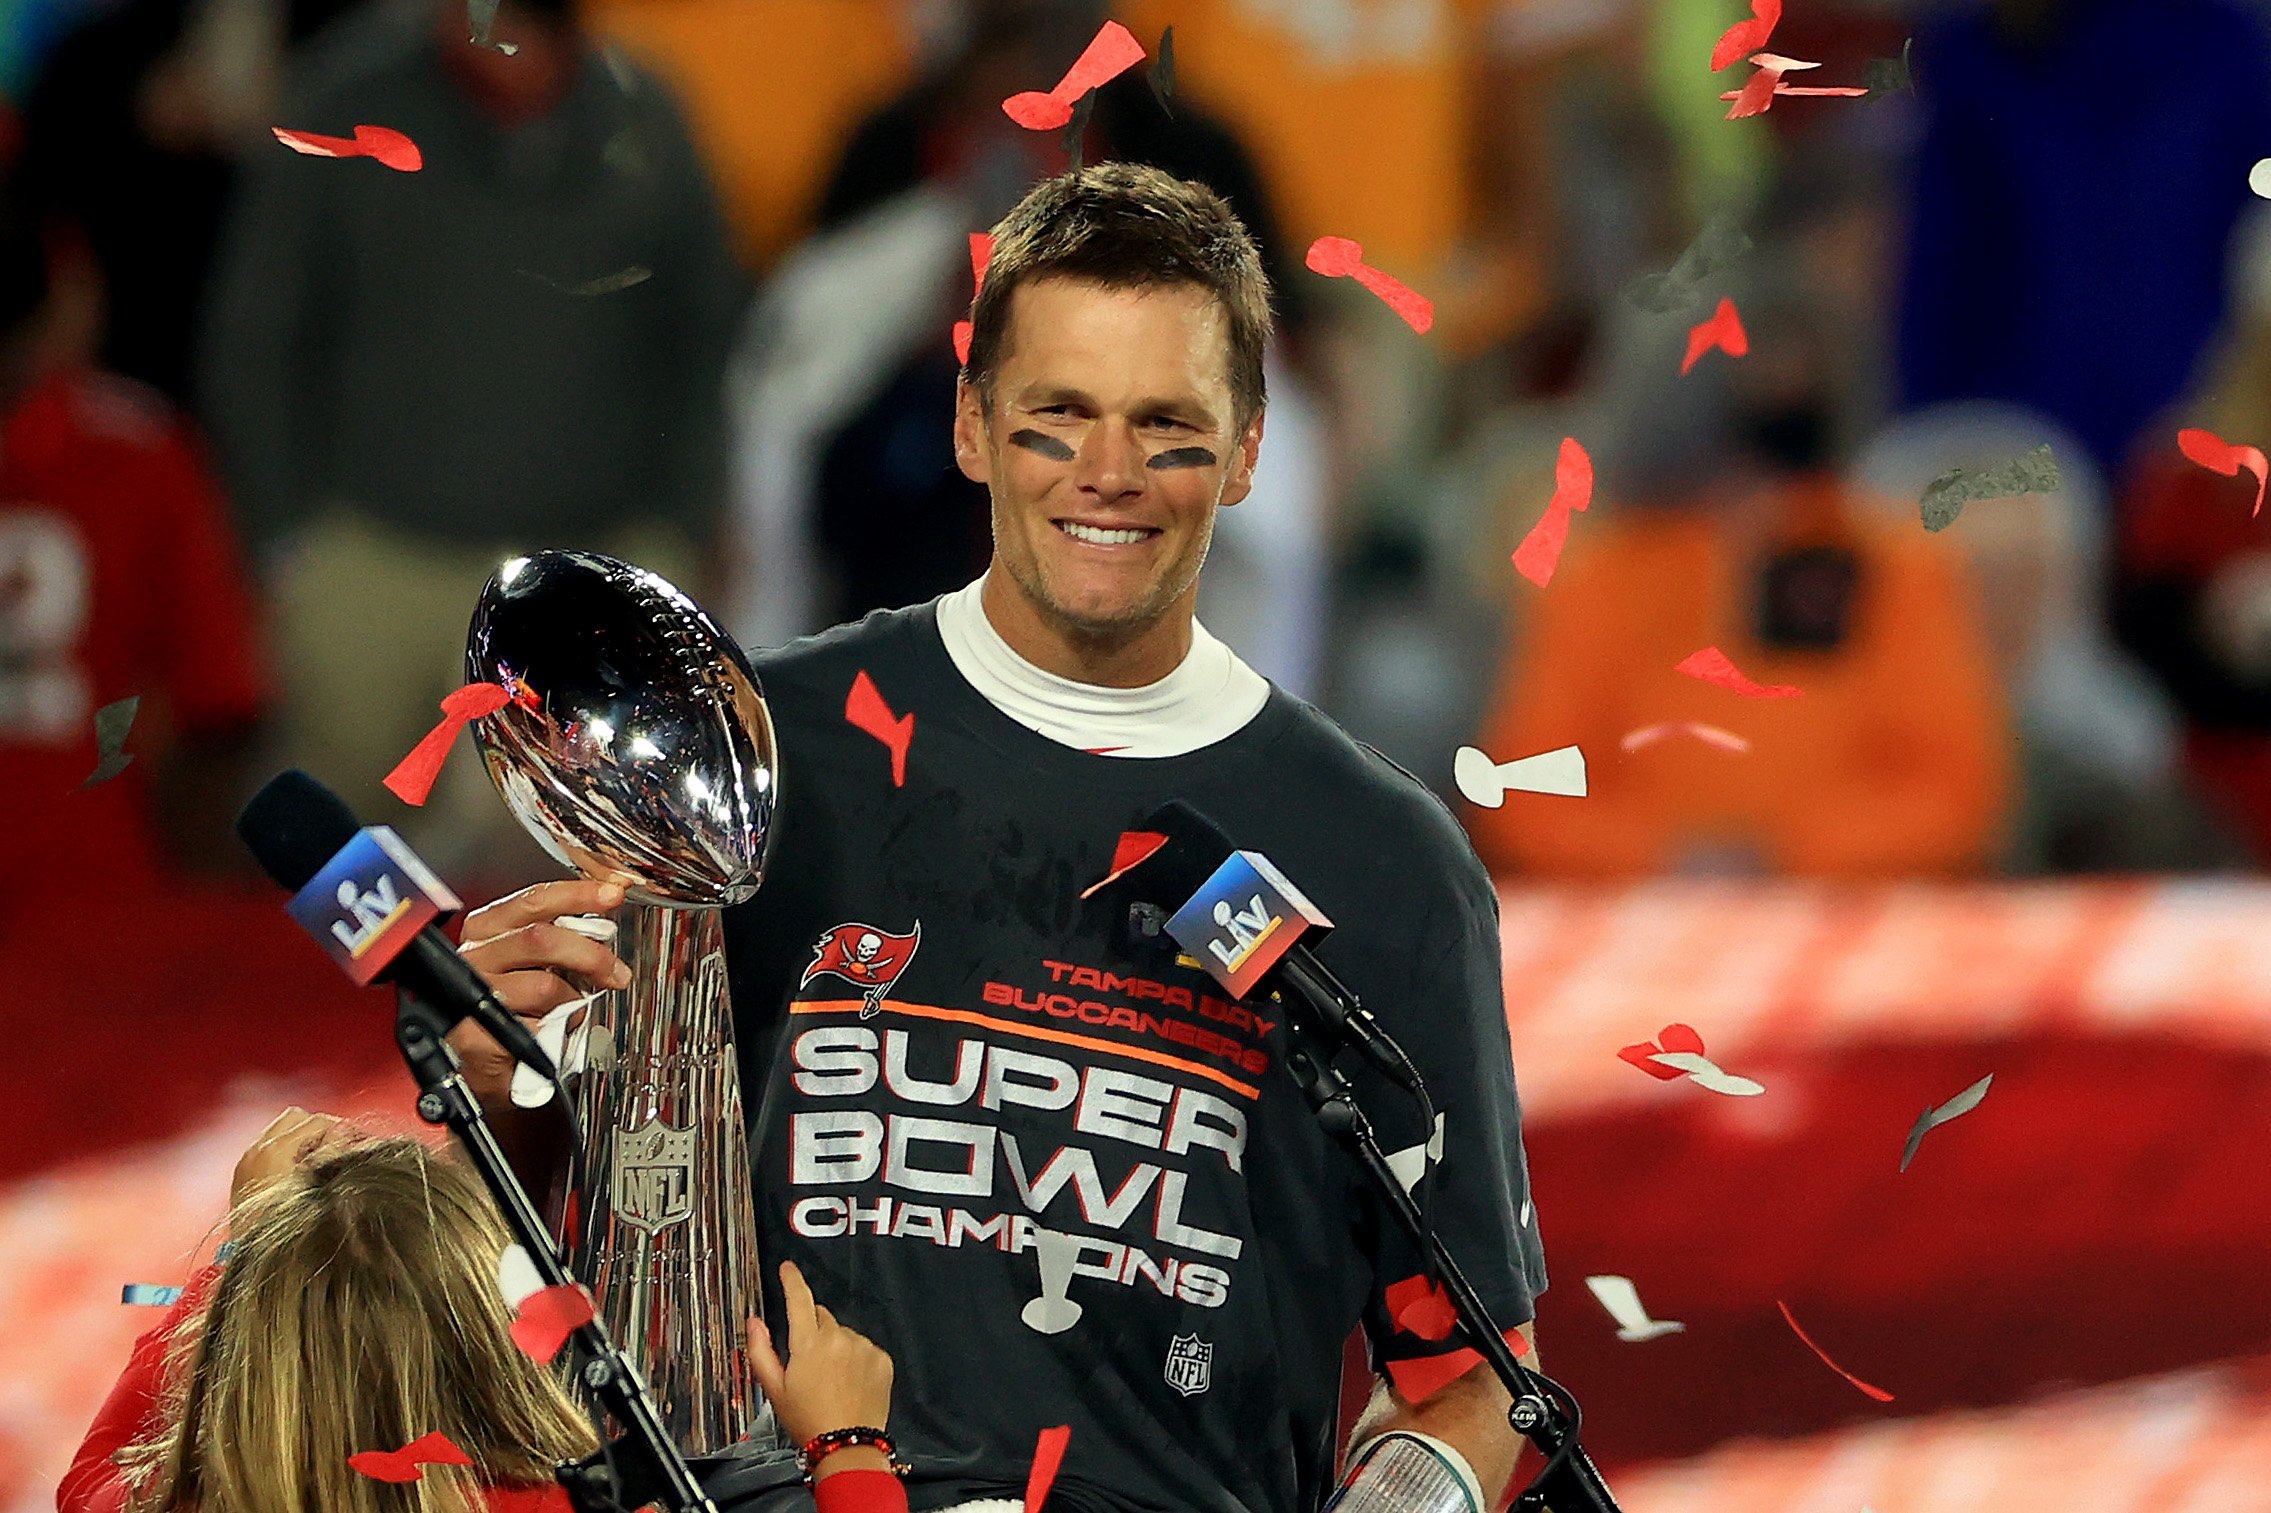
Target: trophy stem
(661,1220)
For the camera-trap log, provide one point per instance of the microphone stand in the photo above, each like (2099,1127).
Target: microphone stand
(1543,1411)
(642,1467)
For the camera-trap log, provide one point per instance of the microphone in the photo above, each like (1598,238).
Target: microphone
(1245,922)
(370,902)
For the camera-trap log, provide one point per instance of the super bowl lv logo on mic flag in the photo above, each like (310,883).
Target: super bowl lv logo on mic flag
(864,955)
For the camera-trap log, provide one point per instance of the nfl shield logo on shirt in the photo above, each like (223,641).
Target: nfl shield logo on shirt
(1190,1364)
(653,1182)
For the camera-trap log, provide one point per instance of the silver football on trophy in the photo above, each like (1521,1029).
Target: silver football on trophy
(643,747)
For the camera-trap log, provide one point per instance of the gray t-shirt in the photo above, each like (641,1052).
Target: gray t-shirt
(1051,1168)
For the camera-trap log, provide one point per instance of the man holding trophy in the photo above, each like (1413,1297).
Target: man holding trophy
(1030,1149)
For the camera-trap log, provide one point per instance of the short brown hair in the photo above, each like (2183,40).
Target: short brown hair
(1125,226)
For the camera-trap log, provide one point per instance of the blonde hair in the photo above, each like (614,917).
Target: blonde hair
(360,1310)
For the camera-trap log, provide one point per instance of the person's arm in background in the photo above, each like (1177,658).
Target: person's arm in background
(1477,1195)
(212,659)
(261,338)
(1927,774)
(702,293)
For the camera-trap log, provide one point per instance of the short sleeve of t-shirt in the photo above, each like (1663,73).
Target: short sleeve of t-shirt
(1476,1192)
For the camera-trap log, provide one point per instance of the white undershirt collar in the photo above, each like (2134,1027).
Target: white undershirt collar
(1211,694)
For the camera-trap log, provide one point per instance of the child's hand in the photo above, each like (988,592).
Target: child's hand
(834,1378)
(292,1139)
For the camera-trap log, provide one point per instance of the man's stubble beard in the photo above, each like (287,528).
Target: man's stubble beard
(1115,631)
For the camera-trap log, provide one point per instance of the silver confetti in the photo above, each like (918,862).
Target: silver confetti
(1946,495)
(1932,1118)
(1718,244)
(112,722)
(605,284)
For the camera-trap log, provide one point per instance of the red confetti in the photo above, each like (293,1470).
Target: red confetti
(1758,95)
(1540,551)
(1421,1307)
(1755,97)
(412,779)
(547,1317)
(1110,53)
(1048,1456)
(1878,1393)
(1672,1037)
(381,143)
(981,253)
(866,710)
(2220,456)
(1712,666)
(402,1465)
(548,1499)
(1338,257)
(1724,330)
(1134,848)
(1418,1380)
(1747,37)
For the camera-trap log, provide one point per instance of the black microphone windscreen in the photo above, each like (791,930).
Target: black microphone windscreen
(293,825)
(1195,847)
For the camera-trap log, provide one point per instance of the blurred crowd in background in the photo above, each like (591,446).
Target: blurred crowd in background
(677,278)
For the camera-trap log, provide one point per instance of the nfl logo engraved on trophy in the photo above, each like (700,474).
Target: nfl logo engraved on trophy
(653,1181)
(1190,1364)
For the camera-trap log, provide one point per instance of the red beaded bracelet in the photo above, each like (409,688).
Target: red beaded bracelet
(821,1446)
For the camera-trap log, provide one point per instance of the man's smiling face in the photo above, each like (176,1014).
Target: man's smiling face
(1109,442)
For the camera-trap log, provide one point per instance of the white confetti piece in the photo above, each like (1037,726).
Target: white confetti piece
(1411,1163)
(1649,735)
(517,1277)
(530,1089)
(1706,1074)
(1485,783)
(1779,63)
(1622,1300)
(1932,1118)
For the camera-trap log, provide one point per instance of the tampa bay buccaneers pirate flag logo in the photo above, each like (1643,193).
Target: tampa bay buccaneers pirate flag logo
(864,955)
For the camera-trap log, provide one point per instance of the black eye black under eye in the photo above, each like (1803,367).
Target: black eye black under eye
(1183,457)
(1041,444)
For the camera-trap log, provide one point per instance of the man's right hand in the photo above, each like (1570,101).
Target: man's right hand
(533,965)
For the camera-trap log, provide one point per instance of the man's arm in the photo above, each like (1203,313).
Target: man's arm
(1468,1414)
